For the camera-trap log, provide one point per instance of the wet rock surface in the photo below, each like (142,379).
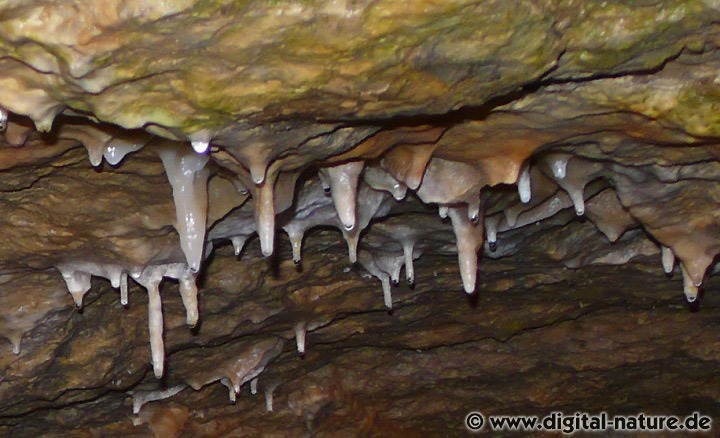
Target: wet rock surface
(539,338)
(355,218)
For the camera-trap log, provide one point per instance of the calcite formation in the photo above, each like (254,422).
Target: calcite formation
(141,139)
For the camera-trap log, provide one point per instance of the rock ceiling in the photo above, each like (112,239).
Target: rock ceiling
(152,140)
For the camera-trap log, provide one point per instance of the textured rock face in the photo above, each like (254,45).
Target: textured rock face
(249,187)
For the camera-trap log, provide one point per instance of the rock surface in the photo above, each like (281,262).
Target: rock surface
(570,148)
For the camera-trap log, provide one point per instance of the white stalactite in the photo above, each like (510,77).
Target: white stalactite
(523,184)
(668,259)
(188,177)
(343,179)
(468,242)
(690,289)
(300,334)
(265,216)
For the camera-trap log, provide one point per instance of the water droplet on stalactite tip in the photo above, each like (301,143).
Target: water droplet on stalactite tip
(200,146)
(200,141)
